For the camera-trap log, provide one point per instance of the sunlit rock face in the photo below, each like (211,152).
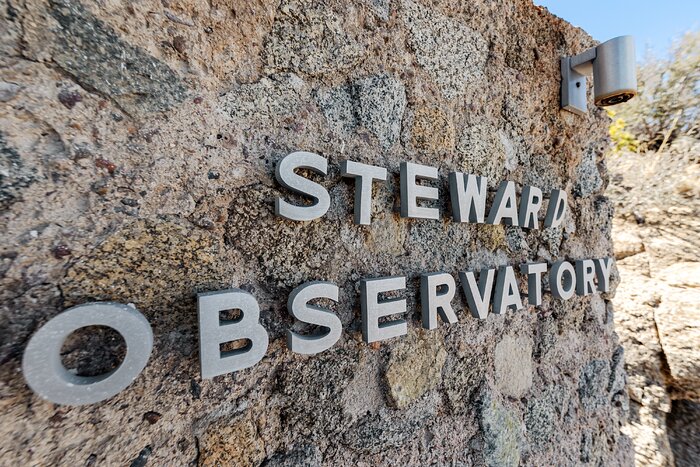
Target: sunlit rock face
(657,317)
(139,142)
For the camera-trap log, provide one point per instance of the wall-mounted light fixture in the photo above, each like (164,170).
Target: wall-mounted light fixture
(614,75)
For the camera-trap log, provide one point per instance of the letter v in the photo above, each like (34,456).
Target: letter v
(478,296)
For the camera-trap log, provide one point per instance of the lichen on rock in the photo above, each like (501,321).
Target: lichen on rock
(593,384)
(129,266)
(231,442)
(432,130)
(503,432)
(414,368)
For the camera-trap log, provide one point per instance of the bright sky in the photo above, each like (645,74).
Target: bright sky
(653,23)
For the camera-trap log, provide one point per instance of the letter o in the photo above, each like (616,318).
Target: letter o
(562,280)
(45,373)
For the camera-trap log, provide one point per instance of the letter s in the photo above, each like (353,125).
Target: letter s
(289,179)
(298,306)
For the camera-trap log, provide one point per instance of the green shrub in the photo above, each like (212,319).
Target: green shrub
(668,104)
(622,139)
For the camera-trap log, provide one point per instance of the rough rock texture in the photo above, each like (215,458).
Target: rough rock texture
(138,144)
(658,301)
(414,367)
(513,359)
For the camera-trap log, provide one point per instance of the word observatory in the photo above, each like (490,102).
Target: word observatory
(494,289)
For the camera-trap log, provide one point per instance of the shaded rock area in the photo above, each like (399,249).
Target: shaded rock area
(138,144)
(94,55)
(14,177)
(656,231)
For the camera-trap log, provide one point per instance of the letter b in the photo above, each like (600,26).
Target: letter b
(213,332)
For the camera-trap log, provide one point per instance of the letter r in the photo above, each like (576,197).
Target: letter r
(213,332)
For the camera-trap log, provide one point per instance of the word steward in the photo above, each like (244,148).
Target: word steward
(468,194)
(489,290)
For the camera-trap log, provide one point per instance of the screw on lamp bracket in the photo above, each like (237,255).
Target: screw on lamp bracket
(613,67)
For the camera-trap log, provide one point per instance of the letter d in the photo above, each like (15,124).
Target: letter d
(213,332)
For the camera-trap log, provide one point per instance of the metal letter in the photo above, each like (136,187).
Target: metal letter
(364,176)
(507,294)
(213,332)
(45,373)
(468,196)
(504,208)
(411,192)
(478,297)
(602,271)
(562,280)
(289,179)
(534,272)
(433,302)
(298,306)
(530,204)
(556,209)
(373,309)
(585,272)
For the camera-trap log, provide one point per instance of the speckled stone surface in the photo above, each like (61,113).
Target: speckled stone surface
(138,144)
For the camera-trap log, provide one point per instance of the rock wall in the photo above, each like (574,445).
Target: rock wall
(139,141)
